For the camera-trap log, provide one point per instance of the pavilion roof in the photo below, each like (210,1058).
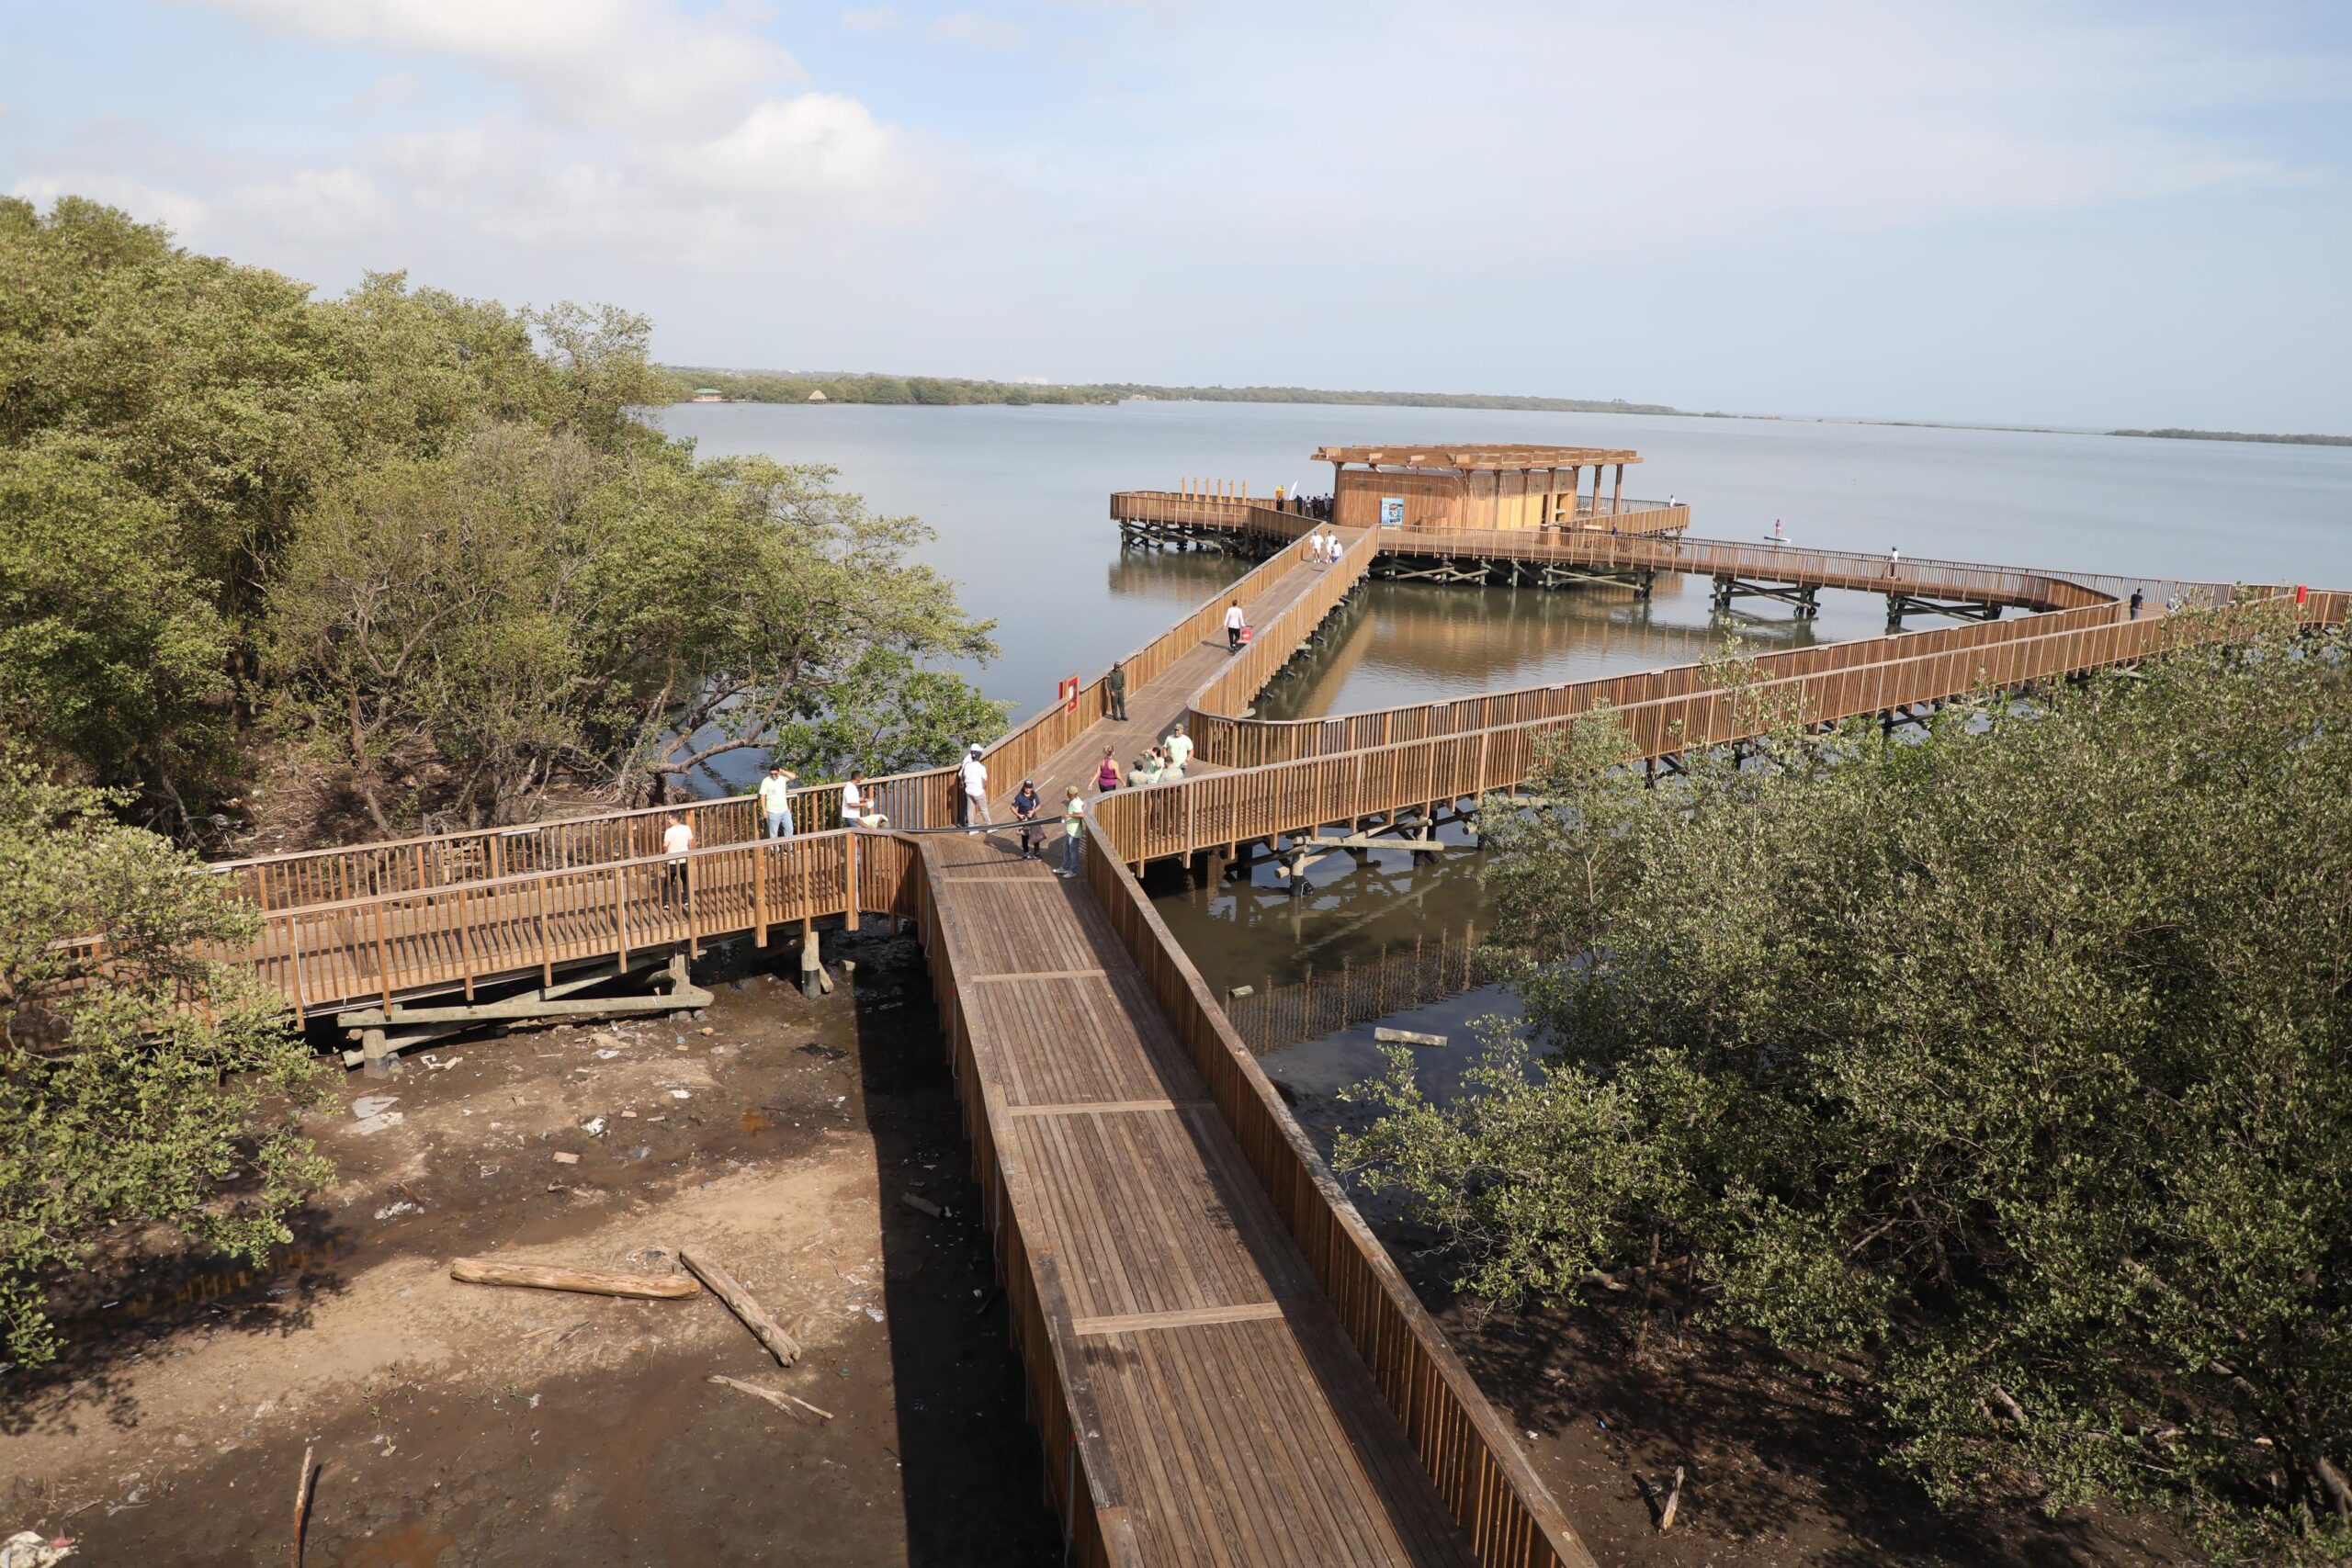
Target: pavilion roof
(1469,458)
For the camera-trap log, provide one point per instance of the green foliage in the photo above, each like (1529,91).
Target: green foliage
(2009,1072)
(428,538)
(140,1084)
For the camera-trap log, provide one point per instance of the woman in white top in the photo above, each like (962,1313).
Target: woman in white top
(1234,621)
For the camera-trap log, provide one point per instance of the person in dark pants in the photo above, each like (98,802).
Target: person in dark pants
(1025,806)
(1114,686)
(1234,621)
(2137,600)
(677,842)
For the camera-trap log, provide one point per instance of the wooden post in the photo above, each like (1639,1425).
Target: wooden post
(849,890)
(546,953)
(759,888)
(1617,496)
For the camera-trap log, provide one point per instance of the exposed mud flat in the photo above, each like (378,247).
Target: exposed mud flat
(462,1424)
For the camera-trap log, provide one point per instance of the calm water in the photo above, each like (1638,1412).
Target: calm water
(1018,498)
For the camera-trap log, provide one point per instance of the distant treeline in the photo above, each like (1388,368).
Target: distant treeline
(2240,435)
(776,387)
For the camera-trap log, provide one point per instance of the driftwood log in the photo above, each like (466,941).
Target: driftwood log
(765,1329)
(590,1282)
(303,1500)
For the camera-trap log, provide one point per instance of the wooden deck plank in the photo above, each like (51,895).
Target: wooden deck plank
(1230,1450)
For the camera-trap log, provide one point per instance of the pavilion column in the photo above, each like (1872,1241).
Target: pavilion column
(1617,495)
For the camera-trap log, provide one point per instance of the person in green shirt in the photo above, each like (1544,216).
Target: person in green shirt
(775,800)
(1073,830)
(1114,686)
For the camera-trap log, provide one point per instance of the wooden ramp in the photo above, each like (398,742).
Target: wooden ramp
(1232,1423)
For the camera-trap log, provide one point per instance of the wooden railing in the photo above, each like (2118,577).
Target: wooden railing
(411,940)
(1096,1521)
(1236,743)
(1511,1519)
(1282,797)
(1274,644)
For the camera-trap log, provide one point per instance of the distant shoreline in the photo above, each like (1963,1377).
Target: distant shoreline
(703,384)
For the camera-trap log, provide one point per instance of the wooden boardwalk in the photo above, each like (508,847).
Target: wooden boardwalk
(1236,1426)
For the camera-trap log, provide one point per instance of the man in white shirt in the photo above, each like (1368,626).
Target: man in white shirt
(775,800)
(1234,621)
(976,789)
(1180,751)
(677,841)
(1314,547)
(853,797)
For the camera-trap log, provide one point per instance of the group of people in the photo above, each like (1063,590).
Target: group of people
(1028,809)
(1162,763)
(1324,550)
(1305,505)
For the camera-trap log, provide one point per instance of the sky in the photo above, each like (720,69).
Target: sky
(2075,214)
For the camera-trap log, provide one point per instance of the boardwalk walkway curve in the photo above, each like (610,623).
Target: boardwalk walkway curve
(1223,1363)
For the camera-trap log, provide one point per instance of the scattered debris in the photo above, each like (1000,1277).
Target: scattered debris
(741,1301)
(26,1550)
(563,1158)
(375,1112)
(680,1094)
(782,1401)
(593,1126)
(1407,1037)
(705,1029)
(591,1281)
(391,1210)
(919,1204)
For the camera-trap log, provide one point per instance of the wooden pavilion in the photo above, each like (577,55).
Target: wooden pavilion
(1475,487)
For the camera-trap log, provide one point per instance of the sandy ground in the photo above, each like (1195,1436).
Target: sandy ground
(462,1424)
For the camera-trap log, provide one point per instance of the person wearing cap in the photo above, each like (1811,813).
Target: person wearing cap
(775,800)
(1025,806)
(976,789)
(1114,686)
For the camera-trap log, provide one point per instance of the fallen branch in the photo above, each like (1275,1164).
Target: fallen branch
(2007,1405)
(782,1401)
(1673,1501)
(589,1281)
(303,1500)
(765,1329)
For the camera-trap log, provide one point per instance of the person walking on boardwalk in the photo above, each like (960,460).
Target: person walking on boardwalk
(1234,621)
(2138,599)
(1894,561)
(852,800)
(1106,772)
(976,789)
(1315,545)
(1331,544)
(1114,686)
(677,842)
(775,800)
(1073,830)
(1025,806)
(1179,752)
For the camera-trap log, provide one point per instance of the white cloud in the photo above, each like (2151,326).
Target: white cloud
(583,62)
(816,144)
(870,20)
(980,32)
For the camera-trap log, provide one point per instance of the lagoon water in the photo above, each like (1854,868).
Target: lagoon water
(1018,498)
